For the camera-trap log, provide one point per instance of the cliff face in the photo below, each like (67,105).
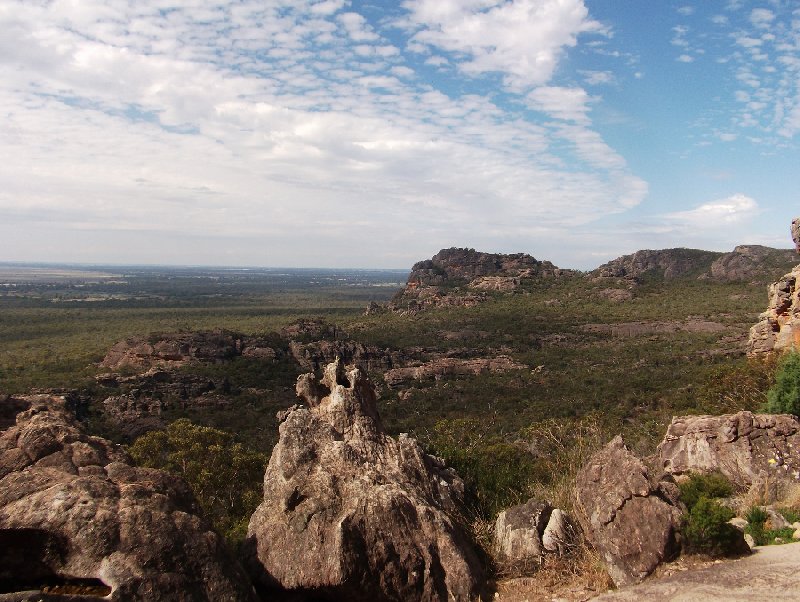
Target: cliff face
(744,263)
(778,328)
(462,277)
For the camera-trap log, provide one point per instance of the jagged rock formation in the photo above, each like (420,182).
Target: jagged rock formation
(747,448)
(778,328)
(525,533)
(353,514)
(318,354)
(744,263)
(436,282)
(628,515)
(73,507)
(446,366)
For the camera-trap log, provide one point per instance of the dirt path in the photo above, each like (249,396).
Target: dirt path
(771,574)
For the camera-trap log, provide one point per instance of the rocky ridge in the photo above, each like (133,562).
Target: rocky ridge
(744,263)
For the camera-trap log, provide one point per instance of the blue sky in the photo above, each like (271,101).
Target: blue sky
(368,133)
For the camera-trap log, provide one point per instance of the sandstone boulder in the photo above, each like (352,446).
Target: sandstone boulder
(745,447)
(796,233)
(630,517)
(73,508)
(525,533)
(353,514)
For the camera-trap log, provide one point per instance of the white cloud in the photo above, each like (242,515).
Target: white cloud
(686,10)
(685,58)
(262,122)
(761,17)
(522,39)
(594,78)
(570,104)
(722,213)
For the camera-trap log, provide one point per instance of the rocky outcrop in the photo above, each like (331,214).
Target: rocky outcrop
(451,366)
(172,350)
(630,516)
(745,447)
(353,514)
(778,328)
(437,282)
(74,509)
(751,263)
(664,263)
(318,354)
(796,233)
(525,533)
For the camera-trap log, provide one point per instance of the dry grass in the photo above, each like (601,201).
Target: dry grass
(578,576)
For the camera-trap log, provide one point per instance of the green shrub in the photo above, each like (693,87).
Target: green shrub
(784,396)
(225,476)
(791,515)
(711,485)
(706,529)
(756,519)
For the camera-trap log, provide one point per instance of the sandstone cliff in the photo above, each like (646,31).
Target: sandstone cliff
(778,328)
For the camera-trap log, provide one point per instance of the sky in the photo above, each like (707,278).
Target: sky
(372,133)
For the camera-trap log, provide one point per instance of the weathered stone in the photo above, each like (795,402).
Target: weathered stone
(630,517)
(778,328)
(73,507)
(745,447)
(796,233)
(450,366)
(749,540)
(525,533)
(354,514)
(316,355)
(434,282)
(172,350)
(739,523)
(518,531)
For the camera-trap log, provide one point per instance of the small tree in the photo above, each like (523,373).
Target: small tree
(226,477)
(784,396)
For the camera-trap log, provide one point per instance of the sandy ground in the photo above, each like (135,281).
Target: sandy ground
(771,574)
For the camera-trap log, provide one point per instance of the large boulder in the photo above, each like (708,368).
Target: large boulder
(745,447)
(796,233)
(74,509)
(527,532)
(630,517)
(353,514)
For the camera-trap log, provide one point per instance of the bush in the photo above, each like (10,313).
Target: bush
(784,396)
(226,477)
(756,519)
(707,531)
(710,486)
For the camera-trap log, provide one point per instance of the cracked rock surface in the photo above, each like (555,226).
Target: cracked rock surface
(73,507)
(630,517)
(351,513)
